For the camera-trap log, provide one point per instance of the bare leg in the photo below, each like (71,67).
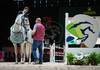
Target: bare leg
(15,49)
(28,51)
(23,52)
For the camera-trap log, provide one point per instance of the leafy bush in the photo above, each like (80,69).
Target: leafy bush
(92,59)
(98,58)
(70,58)
(79,62)
(83,61)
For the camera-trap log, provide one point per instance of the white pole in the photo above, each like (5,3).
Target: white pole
(52,53)
(66,44)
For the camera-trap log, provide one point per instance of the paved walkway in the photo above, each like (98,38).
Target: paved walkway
(44,66)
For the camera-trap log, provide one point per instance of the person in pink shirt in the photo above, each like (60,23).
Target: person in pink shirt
(38,34)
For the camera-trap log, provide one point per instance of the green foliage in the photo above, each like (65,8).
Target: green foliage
(79,62)
(98,58)
(92,59)
(70,58)
(83,61)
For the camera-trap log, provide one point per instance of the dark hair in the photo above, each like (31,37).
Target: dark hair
(26,7)
(39,19)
